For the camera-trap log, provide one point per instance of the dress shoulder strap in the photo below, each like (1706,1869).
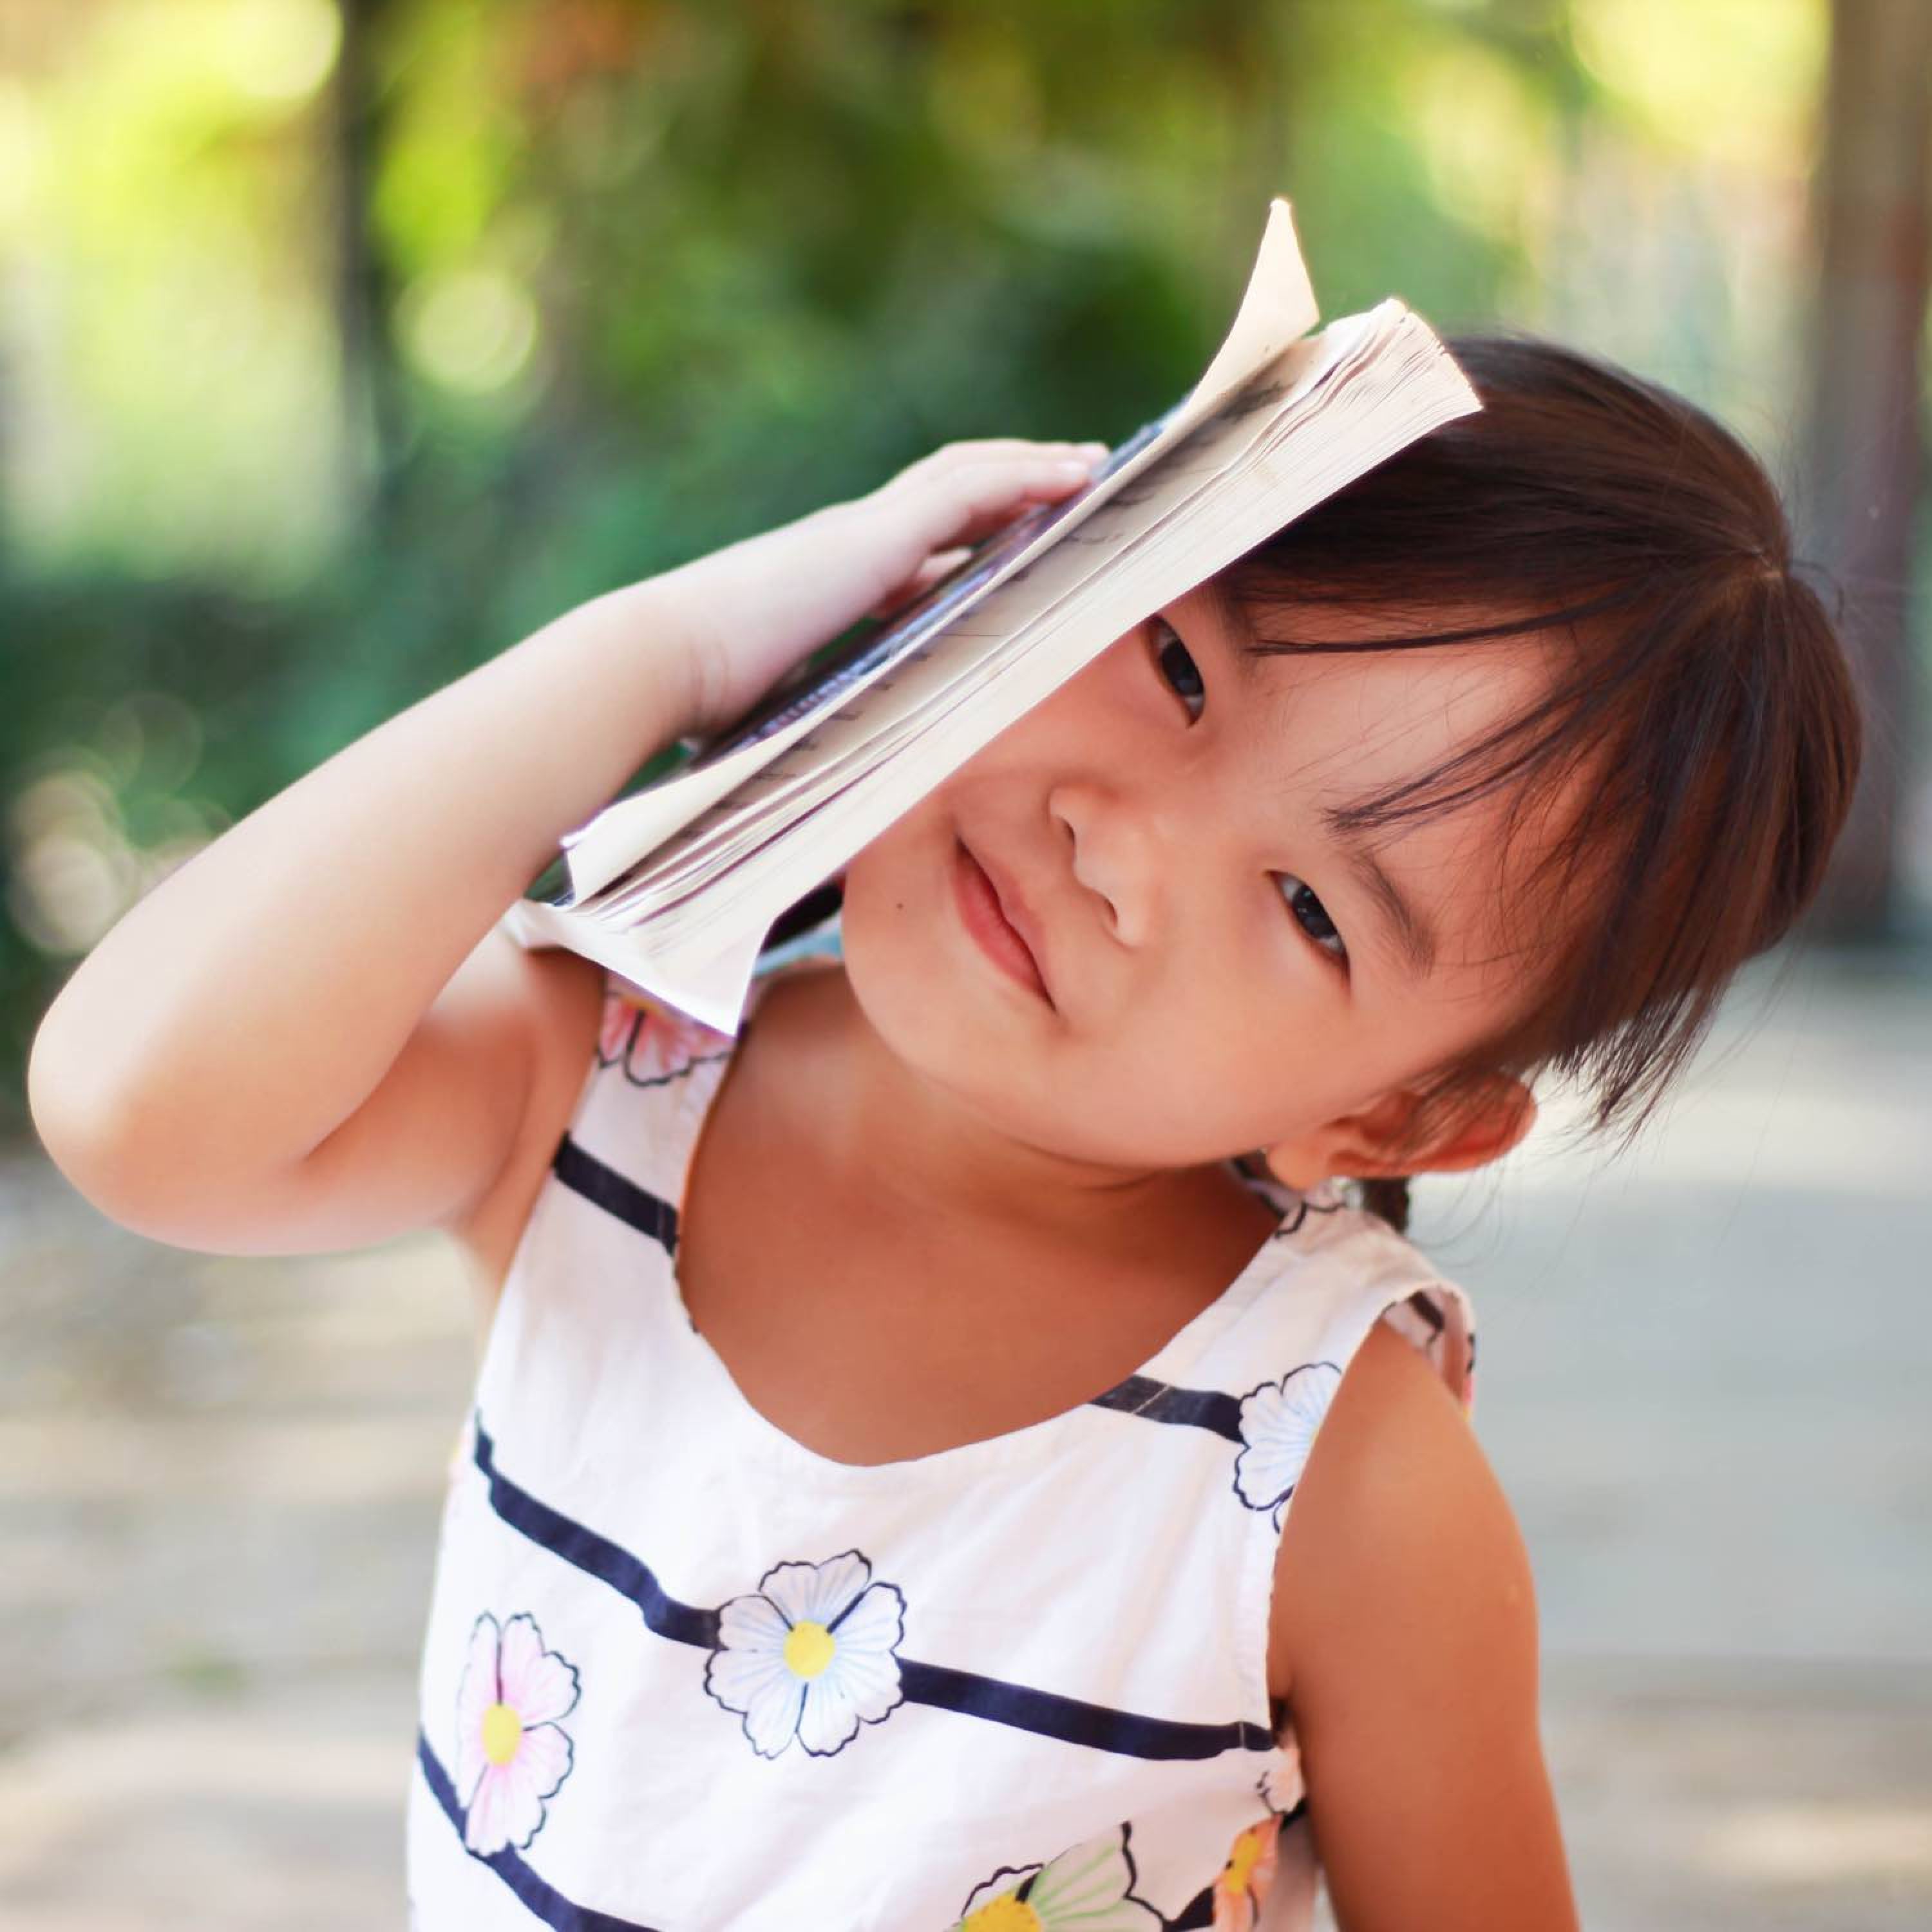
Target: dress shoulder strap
(1328,1274)
(654,1074)
(643,1095)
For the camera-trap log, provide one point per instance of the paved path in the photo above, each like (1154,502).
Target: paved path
(1703,1381)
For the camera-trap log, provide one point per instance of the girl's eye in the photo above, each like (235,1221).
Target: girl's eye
(1178,670)
(1311,915)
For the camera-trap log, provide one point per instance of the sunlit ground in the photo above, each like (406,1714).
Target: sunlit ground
(1703,1380)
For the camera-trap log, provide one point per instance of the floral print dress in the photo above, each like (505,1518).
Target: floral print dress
(683,1673)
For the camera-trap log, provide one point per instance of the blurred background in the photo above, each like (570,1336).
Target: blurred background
(343,343)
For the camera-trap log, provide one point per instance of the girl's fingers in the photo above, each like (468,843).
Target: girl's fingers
(980,449)
(979,468)
(983,493)
(943,564)
(922,580)
(979,495)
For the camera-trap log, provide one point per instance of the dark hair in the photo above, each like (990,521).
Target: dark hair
(1699,681)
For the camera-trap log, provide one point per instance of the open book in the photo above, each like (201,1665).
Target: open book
(675,887)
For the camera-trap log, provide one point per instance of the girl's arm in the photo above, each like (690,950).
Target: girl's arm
(1404,1611)
(198,1075)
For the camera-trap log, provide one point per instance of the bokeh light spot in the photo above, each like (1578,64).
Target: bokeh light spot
(472,330)
(281,49)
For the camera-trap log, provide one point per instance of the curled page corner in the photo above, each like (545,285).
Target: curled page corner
(715,994)
(712,992)
(1278,308)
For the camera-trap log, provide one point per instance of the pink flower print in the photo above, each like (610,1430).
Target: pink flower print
(1282,1786)
(1245,1879)
(653,1042)
(512,1753)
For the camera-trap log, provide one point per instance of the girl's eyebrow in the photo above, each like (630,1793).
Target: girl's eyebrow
(1403,922)
(1228,629)
(1414,936)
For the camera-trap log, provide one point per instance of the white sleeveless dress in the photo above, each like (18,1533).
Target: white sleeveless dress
(683,1673)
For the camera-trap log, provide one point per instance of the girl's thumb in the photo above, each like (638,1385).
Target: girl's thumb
(941,564)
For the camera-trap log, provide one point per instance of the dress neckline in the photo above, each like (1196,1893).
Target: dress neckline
(1169,1363)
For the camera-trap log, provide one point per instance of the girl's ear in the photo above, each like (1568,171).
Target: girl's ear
(1490,1117)
(1390,1137)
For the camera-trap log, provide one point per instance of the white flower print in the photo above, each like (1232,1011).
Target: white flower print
(810,1653)
(1279,1420)
(1089,1888)
(512,1754)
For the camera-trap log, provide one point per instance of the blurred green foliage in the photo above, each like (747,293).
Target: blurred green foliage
(346,347)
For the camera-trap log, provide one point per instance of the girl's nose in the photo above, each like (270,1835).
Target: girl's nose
(1111,853)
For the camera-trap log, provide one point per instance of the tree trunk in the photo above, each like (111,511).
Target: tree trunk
(373,415)
(1865,459)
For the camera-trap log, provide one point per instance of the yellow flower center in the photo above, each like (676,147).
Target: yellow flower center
(1241,1862)
(1005,1914)
(502,1731)
(808,1648)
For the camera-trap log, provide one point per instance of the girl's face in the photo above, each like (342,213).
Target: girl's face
(1223,970)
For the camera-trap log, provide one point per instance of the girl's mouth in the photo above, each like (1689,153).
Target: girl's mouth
(985,918)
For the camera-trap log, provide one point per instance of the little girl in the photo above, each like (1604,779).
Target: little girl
(977,1451)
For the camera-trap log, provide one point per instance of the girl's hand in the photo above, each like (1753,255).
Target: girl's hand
(753,609)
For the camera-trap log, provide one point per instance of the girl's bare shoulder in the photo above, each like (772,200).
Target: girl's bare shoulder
(1403,1638)
(1397,1498)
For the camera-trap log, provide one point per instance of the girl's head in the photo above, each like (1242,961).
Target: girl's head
(1502,759)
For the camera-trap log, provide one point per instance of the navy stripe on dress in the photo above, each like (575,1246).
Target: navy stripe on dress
(596,1555)
(603,1185)
(554,1909)
(1045,1713)
(544,1900)
(1162,1402)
